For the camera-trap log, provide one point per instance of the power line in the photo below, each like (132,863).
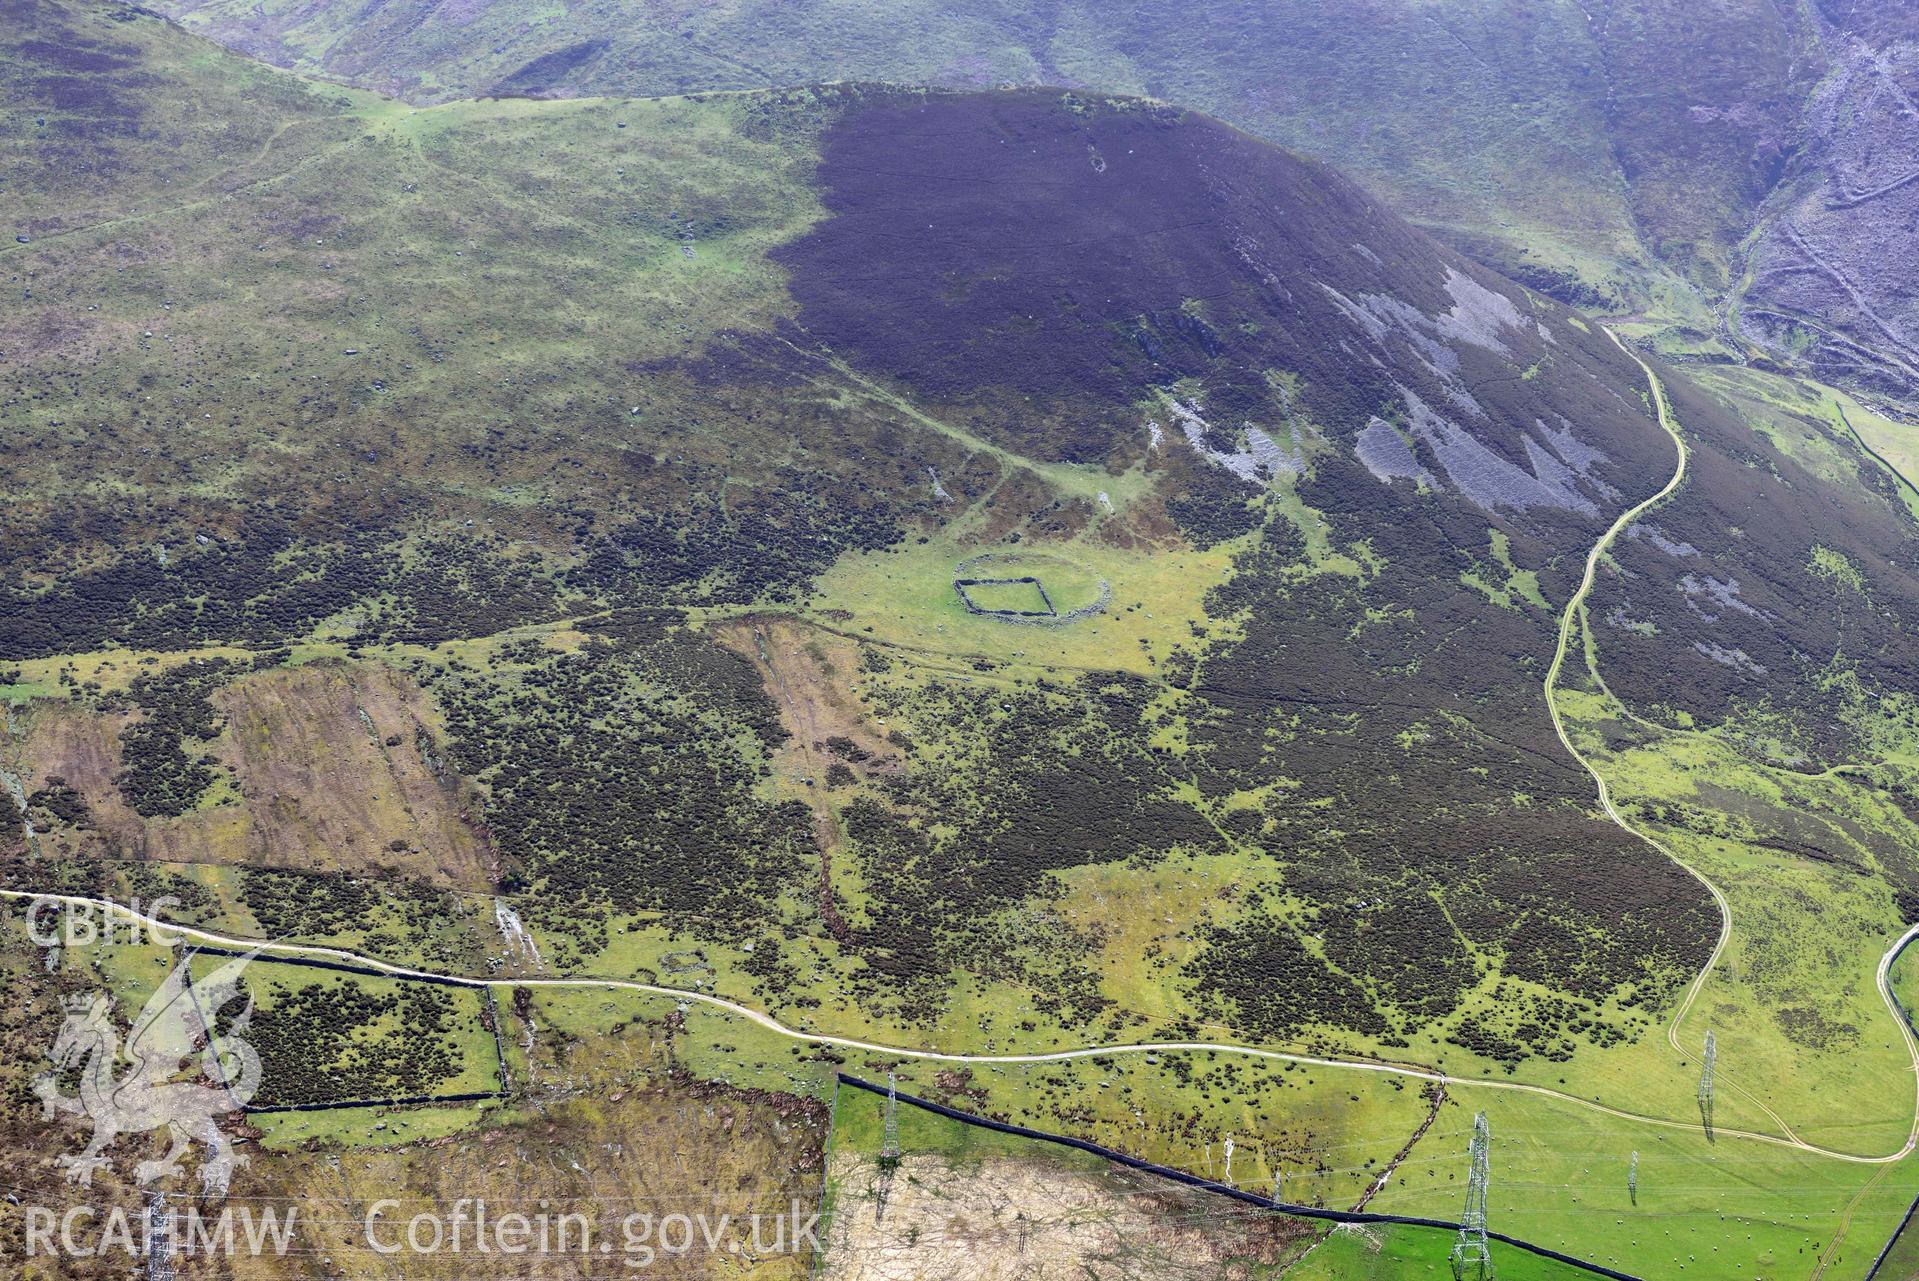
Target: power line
(1705,1081)
(1472,1255)
(890,1145)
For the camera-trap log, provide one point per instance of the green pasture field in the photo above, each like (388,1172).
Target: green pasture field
(370,1126)
(1721,1208)
(904,596)
(1805,1038)
(1402,1252)
(1902,1257)
(1008,595)
(1762,397)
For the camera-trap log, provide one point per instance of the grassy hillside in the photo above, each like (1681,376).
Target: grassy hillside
(531,538)
(1734,171)
(1595,148)
(1126,352)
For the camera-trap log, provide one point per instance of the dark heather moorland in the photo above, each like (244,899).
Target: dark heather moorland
(518,538)
(1739,172)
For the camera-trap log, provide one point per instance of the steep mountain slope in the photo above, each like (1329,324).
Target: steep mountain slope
(1751,603)
(312,405)
(1430,419)
(1829,275)
(1618,154)
(603,482)
(1589,146)
(304,401)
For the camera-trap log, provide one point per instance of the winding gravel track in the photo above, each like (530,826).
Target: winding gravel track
(167,931)
(1568,625)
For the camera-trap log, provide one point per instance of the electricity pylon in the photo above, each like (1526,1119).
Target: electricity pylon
(1472,1256)
(1632,1179)
(890,1146)
(1705,1082)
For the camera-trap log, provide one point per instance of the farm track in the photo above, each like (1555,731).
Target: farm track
(270,949)
(1569,624)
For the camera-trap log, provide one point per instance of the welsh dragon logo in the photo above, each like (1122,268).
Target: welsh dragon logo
(178,1074)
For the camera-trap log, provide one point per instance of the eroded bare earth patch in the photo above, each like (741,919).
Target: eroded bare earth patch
(1008,1219)
(323,767)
